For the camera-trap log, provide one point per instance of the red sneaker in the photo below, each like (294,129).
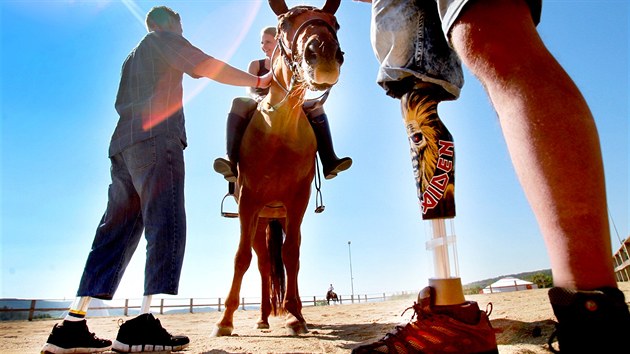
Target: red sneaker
(462,329)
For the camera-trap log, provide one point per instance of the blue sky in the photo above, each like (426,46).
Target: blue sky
(60,65)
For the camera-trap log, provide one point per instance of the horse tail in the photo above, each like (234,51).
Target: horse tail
(277,283)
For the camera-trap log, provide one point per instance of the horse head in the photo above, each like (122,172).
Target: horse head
(307,40)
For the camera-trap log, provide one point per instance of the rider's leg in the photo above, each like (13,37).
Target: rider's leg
(331,164)
(237,121)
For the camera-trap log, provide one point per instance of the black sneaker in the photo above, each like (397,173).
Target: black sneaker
(145,334)
(590,321)
(74,337)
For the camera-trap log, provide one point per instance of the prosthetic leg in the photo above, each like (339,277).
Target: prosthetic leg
(444,322)
(433,160)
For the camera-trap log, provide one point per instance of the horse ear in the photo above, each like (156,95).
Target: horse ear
(331,6)
(279,7)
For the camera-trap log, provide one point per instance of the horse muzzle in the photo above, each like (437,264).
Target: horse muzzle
(322,62)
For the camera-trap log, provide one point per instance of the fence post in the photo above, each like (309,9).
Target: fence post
(340,302)
(243,303)
(126,311)
(161,306)
(314,301)
(191,305)
(219,305)
(31,311)
(383,296)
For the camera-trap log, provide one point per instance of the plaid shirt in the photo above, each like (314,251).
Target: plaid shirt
(149,100)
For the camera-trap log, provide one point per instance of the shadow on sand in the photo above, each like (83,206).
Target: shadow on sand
(349,336)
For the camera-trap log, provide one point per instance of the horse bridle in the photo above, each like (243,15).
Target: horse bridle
(290,59)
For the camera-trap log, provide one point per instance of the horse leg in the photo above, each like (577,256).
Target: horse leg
(260,247)
(295,322)
(241,264)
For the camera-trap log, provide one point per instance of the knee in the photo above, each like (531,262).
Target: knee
(243,106)
(492,37)
(315,112)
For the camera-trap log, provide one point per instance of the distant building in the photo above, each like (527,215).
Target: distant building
(509,284)
(621,261)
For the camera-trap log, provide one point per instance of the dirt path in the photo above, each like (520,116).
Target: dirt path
(516,316)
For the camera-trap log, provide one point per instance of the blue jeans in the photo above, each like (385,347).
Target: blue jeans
(146,194)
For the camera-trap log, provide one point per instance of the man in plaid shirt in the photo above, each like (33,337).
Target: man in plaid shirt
(147,189)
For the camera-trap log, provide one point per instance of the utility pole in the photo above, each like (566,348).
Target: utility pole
(351,278)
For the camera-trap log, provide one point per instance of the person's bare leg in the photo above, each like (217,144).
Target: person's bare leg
(550,134)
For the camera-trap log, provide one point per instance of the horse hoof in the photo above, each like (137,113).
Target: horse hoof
(296,328)
(262,325)
(220,331)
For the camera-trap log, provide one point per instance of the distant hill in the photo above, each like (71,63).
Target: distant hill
(525,276)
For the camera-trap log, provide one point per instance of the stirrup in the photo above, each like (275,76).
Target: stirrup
(230,193)
(319,202)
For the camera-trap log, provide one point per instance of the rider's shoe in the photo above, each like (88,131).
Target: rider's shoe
(226,168)
(145,333)
(74,337)
(462,329)
(590,321)
(335,166)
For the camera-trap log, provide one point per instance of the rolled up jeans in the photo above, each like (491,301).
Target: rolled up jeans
(146,194)
(409,39)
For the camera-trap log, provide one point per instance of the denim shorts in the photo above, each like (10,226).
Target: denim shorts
(409,41)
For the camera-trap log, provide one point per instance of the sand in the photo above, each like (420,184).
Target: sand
(523,321)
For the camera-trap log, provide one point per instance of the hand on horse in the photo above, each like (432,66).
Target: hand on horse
(265,80)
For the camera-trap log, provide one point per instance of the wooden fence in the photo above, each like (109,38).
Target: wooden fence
(189,304)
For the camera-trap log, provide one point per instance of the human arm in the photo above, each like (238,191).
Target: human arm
(254,68)
(224,73)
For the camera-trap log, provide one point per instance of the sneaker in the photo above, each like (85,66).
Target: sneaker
(74,337)
(226,168)
(438,329)
(590,321)
(145,334)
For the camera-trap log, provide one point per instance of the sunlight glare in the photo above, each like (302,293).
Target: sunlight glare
(135,11)
(247,21)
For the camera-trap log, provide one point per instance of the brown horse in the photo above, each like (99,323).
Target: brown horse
(331,295)
(277,163)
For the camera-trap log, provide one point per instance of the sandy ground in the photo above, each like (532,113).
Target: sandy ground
(516,317)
